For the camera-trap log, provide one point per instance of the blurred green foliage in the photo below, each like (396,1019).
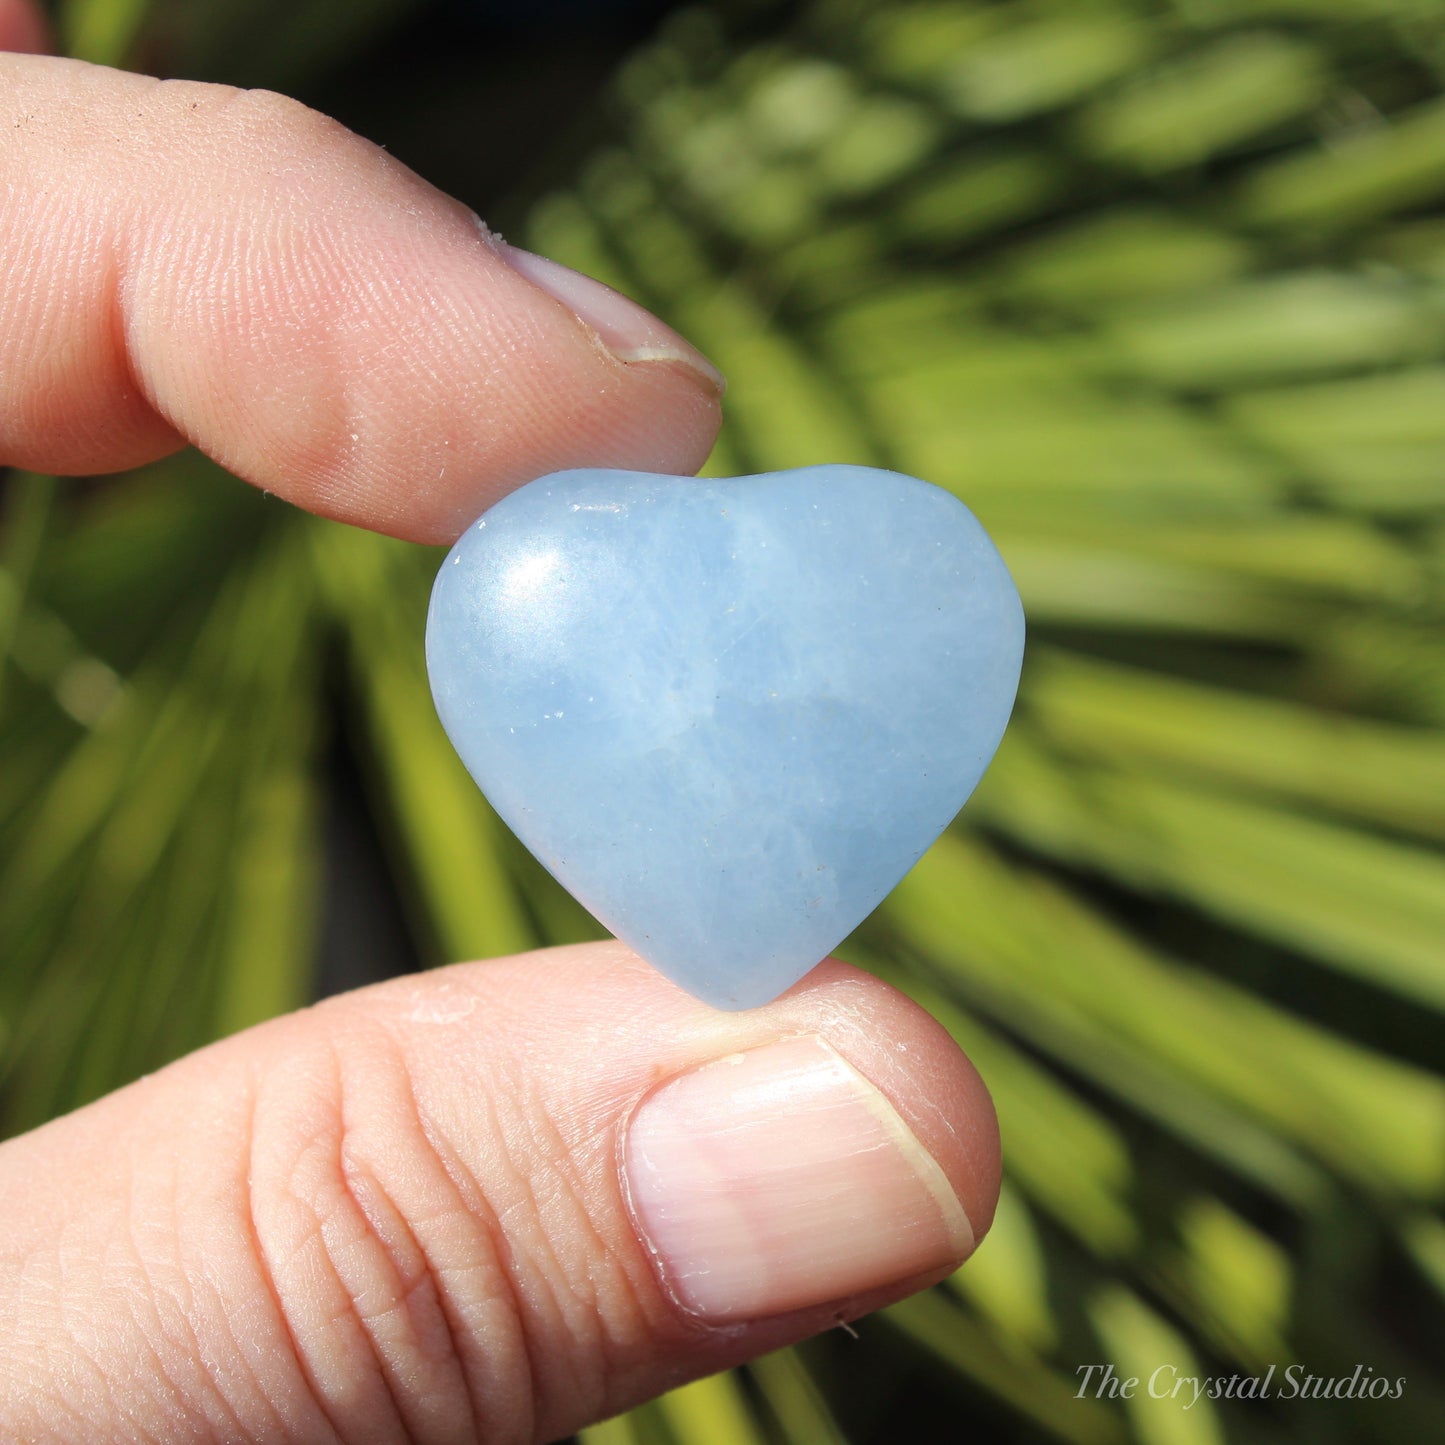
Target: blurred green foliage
(1159,290)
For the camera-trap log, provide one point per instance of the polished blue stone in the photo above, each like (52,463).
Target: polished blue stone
(727,715)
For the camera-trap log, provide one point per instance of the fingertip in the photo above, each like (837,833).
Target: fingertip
(831,1151)
(234,270)
(430,375)
(628,330)
(641,416)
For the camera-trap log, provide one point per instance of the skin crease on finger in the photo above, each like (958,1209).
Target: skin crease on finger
(187,262)
(403,1211)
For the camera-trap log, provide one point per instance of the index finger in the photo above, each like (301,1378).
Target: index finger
(191,263)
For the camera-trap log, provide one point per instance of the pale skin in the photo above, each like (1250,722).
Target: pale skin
(405,1213)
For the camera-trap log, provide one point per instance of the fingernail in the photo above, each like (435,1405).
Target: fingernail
(627,330)
(781,1178)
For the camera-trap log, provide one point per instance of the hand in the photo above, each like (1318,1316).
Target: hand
(499,1200)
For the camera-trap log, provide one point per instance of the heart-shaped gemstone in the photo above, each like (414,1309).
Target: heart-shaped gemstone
(728,715)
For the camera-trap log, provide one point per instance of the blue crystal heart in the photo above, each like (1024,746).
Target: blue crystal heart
(727,715)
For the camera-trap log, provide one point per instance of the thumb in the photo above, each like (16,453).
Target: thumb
(494,1202)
